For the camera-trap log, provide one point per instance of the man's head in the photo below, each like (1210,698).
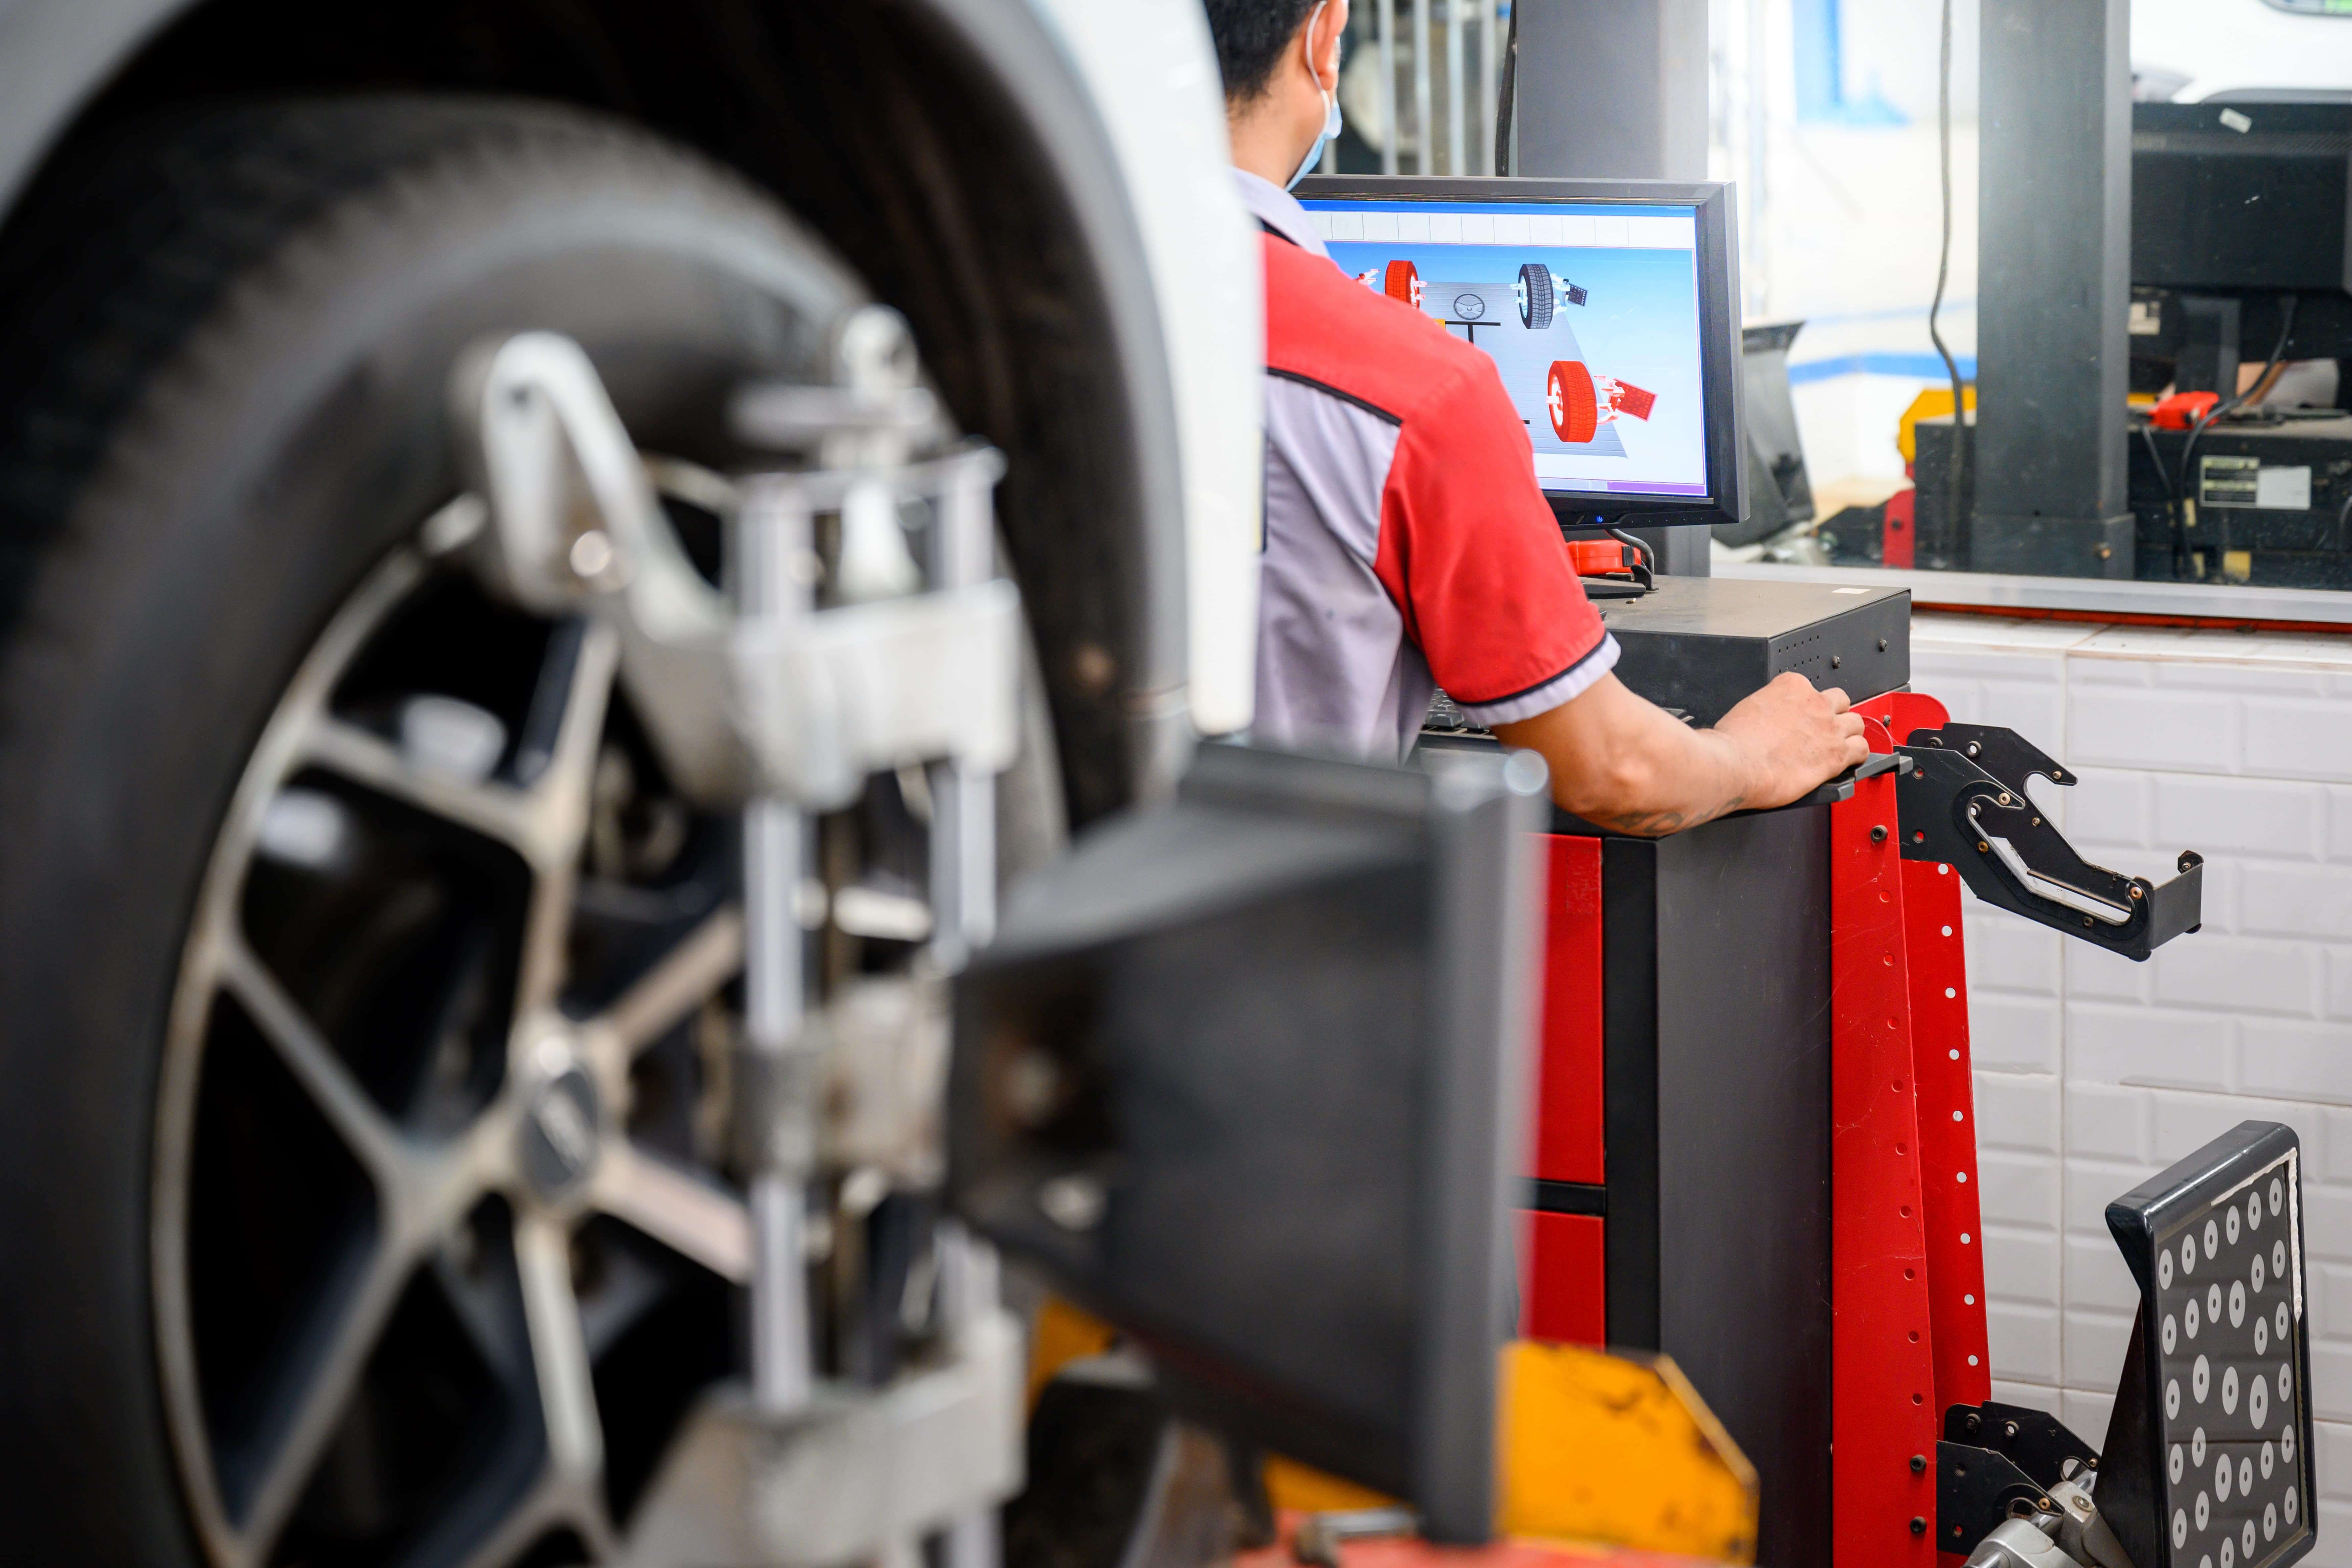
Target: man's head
(1280,59)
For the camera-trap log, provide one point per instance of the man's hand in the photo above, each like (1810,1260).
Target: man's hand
(1625,763)
(1794,738)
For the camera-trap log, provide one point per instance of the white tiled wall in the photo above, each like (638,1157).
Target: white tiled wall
(2094,1072)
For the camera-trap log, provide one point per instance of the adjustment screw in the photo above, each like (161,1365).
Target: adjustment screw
(1974,1423)
(1918,1464)
(1878,836)
(2009,1429)
(1919,1525)
(1836,662)
(1881,645)
(1972,748)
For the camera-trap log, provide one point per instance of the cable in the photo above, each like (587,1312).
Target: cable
(1507,96)
(1943,274)
(2171,497)
(1646,572)
(2221,410)
(2266,385)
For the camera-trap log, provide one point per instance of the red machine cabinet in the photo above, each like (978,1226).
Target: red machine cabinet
(1755,1145)
(1564,1287)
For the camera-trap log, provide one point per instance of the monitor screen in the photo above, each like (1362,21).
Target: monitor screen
(1592,311)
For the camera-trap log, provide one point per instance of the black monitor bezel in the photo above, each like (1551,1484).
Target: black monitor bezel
(1718,319)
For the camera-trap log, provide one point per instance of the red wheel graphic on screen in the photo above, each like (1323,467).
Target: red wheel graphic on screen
(1568,394)
(1402,281)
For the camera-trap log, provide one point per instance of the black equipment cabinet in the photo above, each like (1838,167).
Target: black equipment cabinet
(1715,1026)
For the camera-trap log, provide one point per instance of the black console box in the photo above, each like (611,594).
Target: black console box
(2274,503)
(1701,644)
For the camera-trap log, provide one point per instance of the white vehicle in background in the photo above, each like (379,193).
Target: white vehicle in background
(373,1181)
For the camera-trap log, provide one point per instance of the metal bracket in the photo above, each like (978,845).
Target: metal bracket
(852,1472)
(778,701)
(2013,1486)
(1964,803)
(1977,1491)
(2039,1445)
(781,694)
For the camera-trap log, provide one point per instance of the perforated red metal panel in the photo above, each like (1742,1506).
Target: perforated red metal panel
(1566,1296)
(1948,1112)
(1571,1107)
(1883,1350)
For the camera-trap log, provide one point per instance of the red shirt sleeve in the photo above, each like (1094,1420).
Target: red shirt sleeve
(1470,551)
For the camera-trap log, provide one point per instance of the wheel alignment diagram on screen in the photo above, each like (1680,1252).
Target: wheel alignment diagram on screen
(1576,403)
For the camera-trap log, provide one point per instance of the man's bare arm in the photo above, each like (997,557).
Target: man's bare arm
(1623,762)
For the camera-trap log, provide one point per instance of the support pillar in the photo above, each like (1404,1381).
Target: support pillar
(2053,289)
(1617,90)
(1612,88)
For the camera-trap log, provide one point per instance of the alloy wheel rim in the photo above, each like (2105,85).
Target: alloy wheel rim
(543,1149)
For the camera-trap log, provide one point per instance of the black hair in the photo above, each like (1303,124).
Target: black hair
(1251,36)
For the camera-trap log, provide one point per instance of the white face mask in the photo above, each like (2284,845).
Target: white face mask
(1331,121)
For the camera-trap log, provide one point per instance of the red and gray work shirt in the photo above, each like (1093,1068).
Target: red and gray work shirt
(1407,546)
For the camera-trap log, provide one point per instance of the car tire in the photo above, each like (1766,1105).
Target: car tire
(1574,404)
(1401,280)
(228,413)
(1536,301)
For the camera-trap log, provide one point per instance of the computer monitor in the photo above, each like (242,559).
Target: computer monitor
(1609,306)
(2240,206)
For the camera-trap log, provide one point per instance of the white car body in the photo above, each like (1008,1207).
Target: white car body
(1154,77)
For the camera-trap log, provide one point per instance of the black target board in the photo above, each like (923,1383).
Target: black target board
(2208,1461)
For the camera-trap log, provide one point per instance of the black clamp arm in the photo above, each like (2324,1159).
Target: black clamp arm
(1998,1462)
(1963,802)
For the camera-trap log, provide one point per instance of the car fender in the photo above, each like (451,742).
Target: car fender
(1153,74)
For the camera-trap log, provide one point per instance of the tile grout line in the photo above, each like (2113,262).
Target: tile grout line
(2065,1041)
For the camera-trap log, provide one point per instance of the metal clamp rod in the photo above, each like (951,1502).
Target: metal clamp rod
(772,583)
(963,798)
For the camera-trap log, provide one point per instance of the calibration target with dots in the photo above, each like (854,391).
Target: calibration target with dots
(2227,1295)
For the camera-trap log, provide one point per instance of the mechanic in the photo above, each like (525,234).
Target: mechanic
(1407,545)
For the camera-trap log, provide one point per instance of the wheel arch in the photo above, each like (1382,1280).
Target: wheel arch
(1077,266)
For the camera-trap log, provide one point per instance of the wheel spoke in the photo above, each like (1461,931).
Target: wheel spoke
(686,1215)
(324,1379)
(710,956)
(553,1504)
(558,811)
(365,1131)
(493,810)
(559,1352)
(587,691)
